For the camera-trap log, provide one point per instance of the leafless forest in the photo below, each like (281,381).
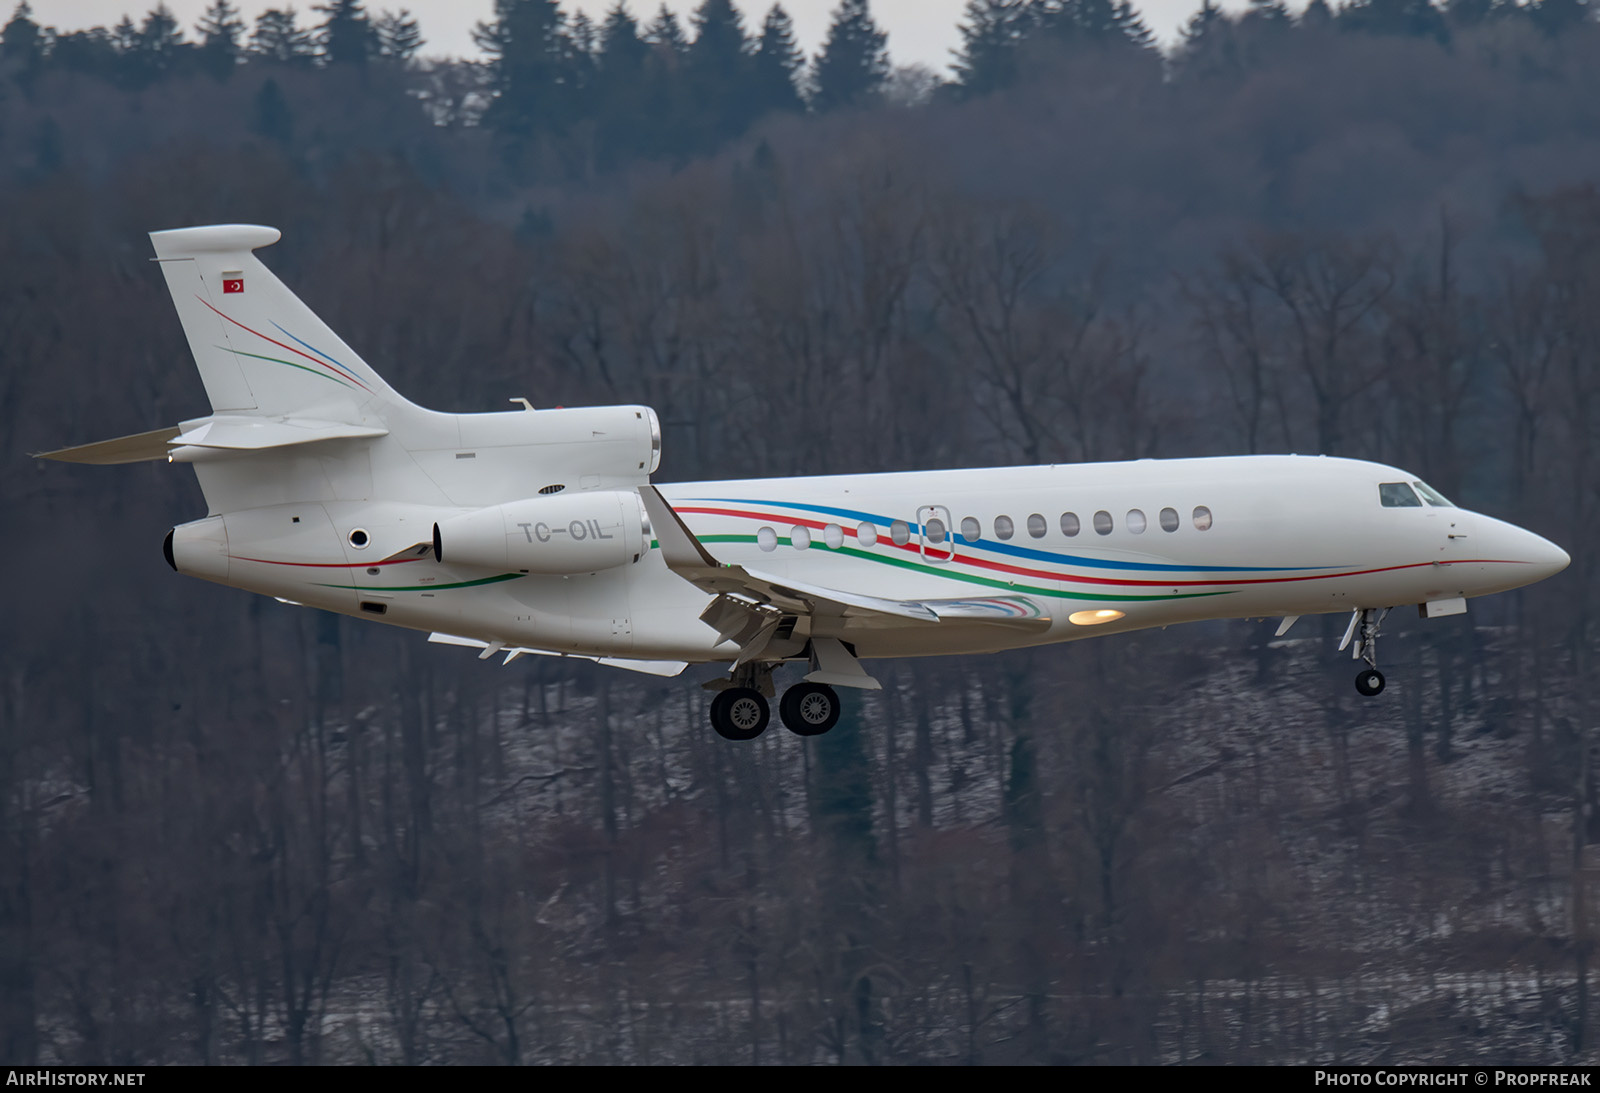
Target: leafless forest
(237,831)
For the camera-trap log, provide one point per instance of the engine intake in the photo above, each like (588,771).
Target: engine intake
(563,534)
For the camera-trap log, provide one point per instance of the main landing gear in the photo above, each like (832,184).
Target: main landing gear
(809,709)
(740,710)
(1364,627)
(740,713)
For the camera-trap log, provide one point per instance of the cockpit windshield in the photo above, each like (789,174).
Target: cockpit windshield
(1398,495)
(1432,496)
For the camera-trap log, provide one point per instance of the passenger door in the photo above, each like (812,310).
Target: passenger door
(935,537)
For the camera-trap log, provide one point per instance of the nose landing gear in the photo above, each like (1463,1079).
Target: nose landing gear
(1368,621)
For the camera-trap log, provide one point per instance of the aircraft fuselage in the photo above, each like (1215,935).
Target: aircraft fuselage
(1151,543)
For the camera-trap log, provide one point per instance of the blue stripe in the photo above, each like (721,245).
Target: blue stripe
(309,346)
(1019,551)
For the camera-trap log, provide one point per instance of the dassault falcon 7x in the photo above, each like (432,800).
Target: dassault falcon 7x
(540,532)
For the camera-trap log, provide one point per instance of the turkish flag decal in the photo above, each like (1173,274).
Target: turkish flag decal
(232,284)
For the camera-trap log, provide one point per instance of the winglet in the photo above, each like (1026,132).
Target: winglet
(679,547)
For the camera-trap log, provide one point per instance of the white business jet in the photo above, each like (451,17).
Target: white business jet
(539,531)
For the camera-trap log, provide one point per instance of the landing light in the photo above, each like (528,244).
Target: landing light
(1094,618)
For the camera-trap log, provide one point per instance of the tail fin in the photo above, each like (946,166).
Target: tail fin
(259,349)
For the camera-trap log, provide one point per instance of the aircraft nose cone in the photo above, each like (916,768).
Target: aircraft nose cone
(1551,559)
(1540,555)
(1515,557)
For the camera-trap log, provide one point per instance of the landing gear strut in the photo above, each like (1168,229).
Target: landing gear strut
(1369,681)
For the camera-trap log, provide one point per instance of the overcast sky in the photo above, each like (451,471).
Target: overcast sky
(920,31)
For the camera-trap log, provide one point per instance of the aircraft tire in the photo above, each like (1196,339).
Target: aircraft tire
(809,709)
(1369,681)
(740,713)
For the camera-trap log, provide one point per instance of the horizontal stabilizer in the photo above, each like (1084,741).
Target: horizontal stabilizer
(254,433)
(648,667)
(138,448)
(239,434)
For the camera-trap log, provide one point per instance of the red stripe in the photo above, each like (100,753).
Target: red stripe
(314,360)
(1005,567)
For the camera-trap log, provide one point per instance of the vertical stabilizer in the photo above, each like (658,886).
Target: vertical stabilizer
(258,348)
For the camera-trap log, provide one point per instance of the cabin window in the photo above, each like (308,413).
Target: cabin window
(1202,518)
(1037,526)
(933,531)
(971,530)
(1136,521)
(1003,527)
(1398,495)
(1169,519)
(833,535)
(1433,496)
(359,538)
(1070,525)
(767,539)
(866,533)
(800,537)
(1102,522)
(900,532)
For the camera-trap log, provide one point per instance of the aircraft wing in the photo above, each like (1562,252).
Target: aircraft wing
(742,592)
(512,652)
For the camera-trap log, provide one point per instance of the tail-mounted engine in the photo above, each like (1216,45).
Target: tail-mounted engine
(563,534)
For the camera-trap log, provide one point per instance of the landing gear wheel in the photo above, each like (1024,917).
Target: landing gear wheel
(809,709)
(1369,681)
(740,713)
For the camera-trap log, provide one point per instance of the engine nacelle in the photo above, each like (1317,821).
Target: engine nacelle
(564,534)
(199,549)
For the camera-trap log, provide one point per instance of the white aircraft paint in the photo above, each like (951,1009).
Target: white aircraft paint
(538,531)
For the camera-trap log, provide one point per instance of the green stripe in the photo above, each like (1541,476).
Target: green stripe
(425,587)
(291,364)
(919,567)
